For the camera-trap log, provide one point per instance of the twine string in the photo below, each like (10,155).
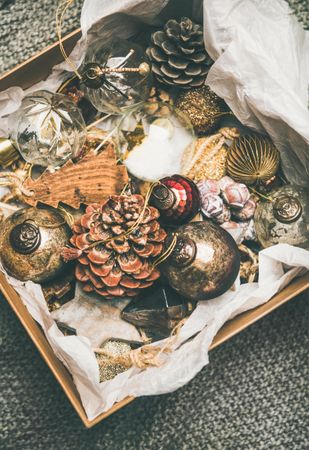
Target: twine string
(68,217)
(11,179)
(259,194)
(60,13)
(167,252)
(147,355)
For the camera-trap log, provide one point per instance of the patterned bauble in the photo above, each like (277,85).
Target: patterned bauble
(116,243)
(177,198)
(241,231)
(225,182)
(236,195)
(250,231)
(31,242)
(208,187)
(178,54)
(211,206)
(203,107)
(48,129)
(225,216)
(247,212)
(204,262)
(253,159)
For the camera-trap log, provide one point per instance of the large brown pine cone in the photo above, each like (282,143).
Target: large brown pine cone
(121,265)
(178,54)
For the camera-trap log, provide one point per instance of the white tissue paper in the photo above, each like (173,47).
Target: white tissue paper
(189,356)
(261,71)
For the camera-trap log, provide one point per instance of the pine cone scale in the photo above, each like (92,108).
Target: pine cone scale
(177,62)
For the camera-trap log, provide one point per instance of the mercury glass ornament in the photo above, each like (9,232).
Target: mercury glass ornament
(211,206)
(48,129)
(31,242)
(115,75)
(204,262)
(285,218)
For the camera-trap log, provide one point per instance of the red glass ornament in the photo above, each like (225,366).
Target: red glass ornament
(177,198)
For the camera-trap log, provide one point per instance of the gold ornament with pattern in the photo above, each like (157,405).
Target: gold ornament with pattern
(205,159)
(253,160)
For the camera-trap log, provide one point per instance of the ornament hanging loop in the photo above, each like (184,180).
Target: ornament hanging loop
(94,75)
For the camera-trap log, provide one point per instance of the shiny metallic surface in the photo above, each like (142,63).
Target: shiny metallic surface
(213,268)
(285,218)
(44,261)
(25,237)
(163,197)
(287,208)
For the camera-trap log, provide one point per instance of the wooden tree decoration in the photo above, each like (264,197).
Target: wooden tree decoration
(91,180)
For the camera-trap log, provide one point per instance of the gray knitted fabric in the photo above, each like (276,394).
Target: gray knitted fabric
(27,26)
(253,395)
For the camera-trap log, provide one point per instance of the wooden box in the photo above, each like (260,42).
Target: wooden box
(26,74)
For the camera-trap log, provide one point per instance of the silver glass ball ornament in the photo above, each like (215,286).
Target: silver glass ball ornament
(115,75)
(284,218)
(48,129)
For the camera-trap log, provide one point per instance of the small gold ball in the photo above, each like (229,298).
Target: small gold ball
(144,68)
(203,107)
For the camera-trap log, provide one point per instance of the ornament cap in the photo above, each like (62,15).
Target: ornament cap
(91,76)
(25,237)
(287,208)
(8,153)
(163,197)
(184,252)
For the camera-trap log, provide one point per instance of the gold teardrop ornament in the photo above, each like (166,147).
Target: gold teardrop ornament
(252,160)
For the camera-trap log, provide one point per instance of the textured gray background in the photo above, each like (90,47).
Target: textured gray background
(26,26)
(253,395)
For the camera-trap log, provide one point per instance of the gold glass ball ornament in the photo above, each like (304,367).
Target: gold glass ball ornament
(204,262)
(253,159)
(203,107)
(31,243)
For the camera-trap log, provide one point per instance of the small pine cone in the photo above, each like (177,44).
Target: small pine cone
(120,264)
(178,54)
(159,102)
